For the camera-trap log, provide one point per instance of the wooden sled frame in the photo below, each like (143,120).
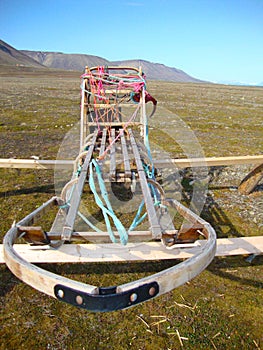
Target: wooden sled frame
(94,298)
(88,108)
(102,299)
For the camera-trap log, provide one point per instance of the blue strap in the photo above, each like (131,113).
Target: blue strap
(100,204)
(137,220)
(106,211)
(89,223)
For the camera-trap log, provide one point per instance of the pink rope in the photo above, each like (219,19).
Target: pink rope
(120,133)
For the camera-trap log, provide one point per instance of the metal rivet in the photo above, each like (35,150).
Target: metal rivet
(133,297)
(60,293)
(152,291)
(79,299)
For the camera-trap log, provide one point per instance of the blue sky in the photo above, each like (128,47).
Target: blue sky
(215,40)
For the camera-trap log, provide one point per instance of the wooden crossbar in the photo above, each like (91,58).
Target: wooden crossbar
(109,106)
(211,161)
(76,253)
(159,163)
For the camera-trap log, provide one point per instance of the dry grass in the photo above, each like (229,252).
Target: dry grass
(220,309)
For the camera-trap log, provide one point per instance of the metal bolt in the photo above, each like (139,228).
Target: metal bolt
(133,297)
(79,299)
(152,291)
(61,293)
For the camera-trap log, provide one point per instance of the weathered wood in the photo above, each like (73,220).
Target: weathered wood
(112,174)
(113,68)
(103,142)
(159,163)
(212,161)
(151,212)
(249,183)
(165,280)
(126,160)
(81,253)
(84,236)
(12,163)
(102,105)
(33,234)
(85,295)
(83,113)
(111,124)
(76,194)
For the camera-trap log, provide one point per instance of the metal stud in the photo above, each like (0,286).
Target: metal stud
(133,297)
(79,299)
(152,291)
(60,293)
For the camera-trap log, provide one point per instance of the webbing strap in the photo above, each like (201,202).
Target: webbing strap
(107,211)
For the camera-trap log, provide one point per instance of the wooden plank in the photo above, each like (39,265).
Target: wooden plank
(83,113)
(212,161)
(76,253)
(126,159)
(110,124)
(159,163)
(36,164)
(152,215)
(76,194)
(113,157)
(109,106)
(103,141)
(100,237)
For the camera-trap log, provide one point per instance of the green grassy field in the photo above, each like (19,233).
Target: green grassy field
(221,308)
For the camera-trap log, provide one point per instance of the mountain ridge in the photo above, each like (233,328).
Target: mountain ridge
(61,60)
(76,62)
(11,56)
(155,71)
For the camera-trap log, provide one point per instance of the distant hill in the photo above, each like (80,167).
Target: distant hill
(77,62)
(158,71)
(65,61)
(9,56)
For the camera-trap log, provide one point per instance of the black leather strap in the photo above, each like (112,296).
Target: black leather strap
(108,299)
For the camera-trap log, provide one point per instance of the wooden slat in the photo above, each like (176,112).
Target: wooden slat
(152,215)
(103,141)
(36,164)
(113,157)
(112,68)
(76,253)
(159,163)
(212,161)
(126,160)
(76,195)
(111,124)
(109,106)
(101,237)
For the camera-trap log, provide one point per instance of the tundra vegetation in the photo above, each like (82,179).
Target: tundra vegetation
(222,307)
